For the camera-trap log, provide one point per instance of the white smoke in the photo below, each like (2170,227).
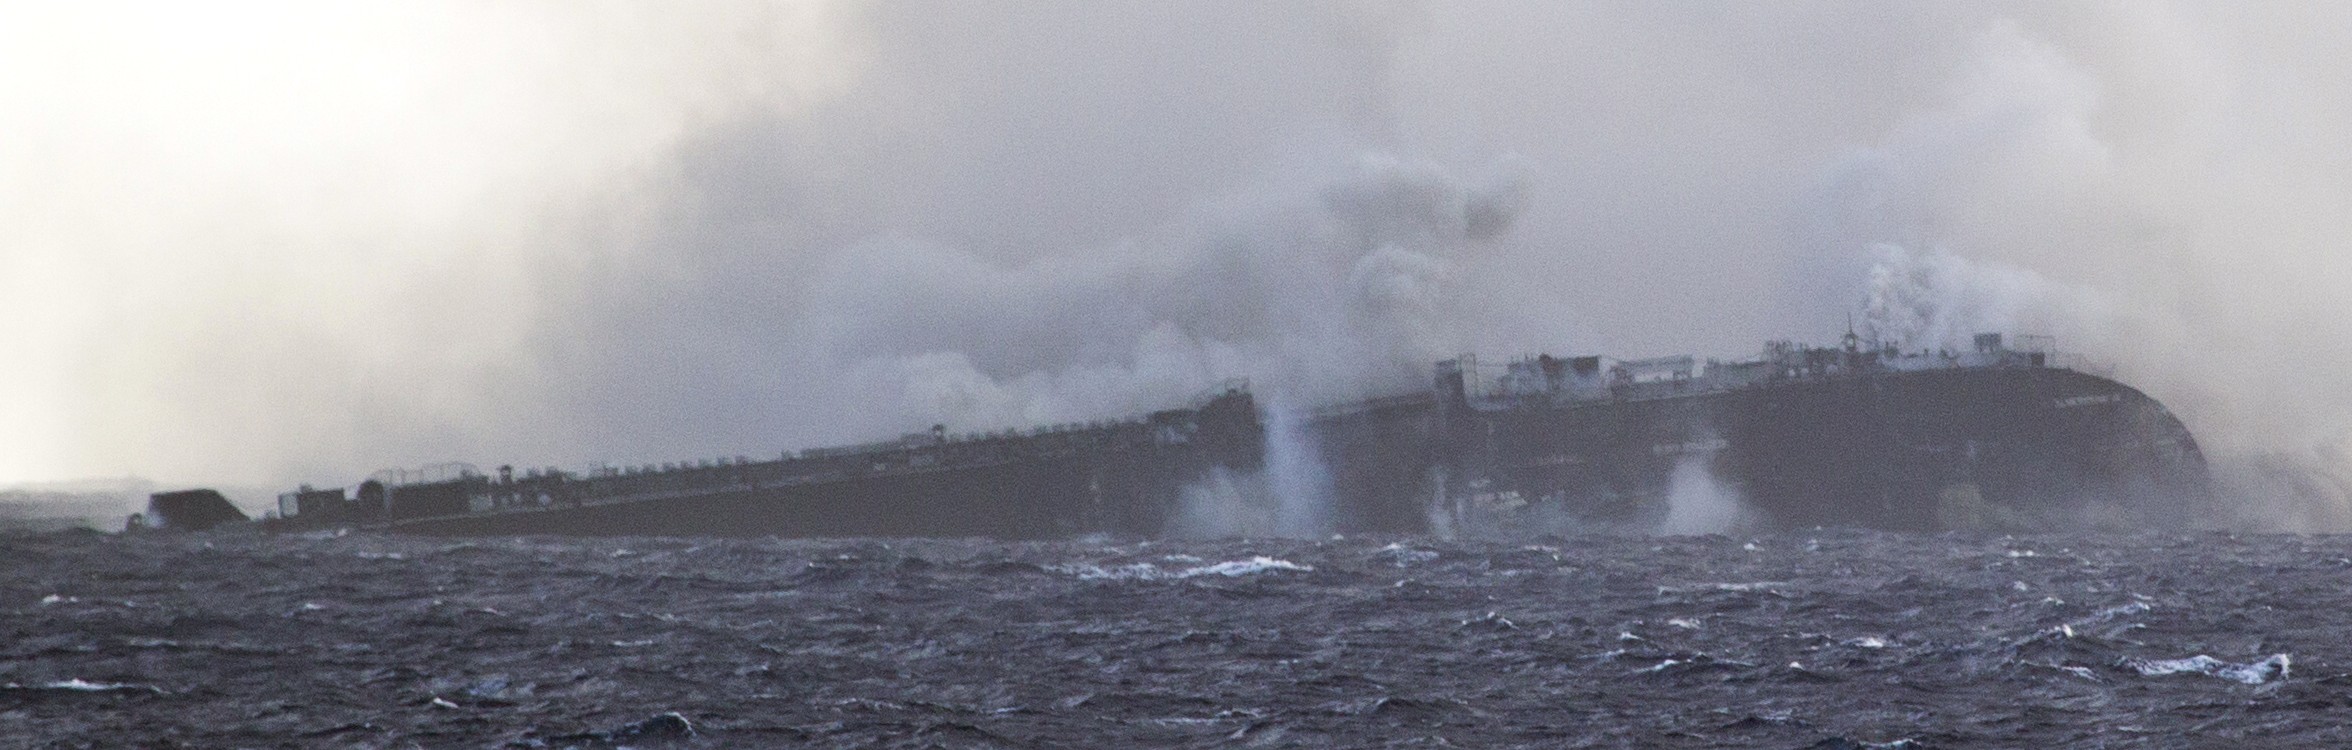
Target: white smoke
(2015,131)
(1336,293)
(1340,291)
(2298,491)
(1938,300)
(1344,291)
(2043,197)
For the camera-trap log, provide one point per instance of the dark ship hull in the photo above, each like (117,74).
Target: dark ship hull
(2018,448)
(1123,477)
(1804,437)
(1027,498)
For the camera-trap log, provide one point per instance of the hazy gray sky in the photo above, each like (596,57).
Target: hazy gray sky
(269,243)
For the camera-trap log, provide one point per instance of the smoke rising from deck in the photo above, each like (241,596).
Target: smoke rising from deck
(264,243)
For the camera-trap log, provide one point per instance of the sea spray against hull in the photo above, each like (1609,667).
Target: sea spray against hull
(1295,472)
(1288,496)
(1698,502)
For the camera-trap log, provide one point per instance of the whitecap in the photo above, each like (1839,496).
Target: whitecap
(1254,565)
(2276,667)
(1088,572)
(88,686)
(80,685)
(1400,555)
(2111,613)
(1150,572)
(1736,587)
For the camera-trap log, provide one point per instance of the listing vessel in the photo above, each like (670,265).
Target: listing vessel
(1854,435)
(1859,434)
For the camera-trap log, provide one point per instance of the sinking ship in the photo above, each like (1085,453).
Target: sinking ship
(1865,435)
(1854,435)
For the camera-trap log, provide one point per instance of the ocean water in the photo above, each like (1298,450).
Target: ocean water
(1829,639)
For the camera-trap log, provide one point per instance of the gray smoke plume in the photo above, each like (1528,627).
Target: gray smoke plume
(1938,300)
(2057,191)
(1316,296)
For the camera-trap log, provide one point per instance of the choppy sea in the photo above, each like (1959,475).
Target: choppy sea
(1827,639)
